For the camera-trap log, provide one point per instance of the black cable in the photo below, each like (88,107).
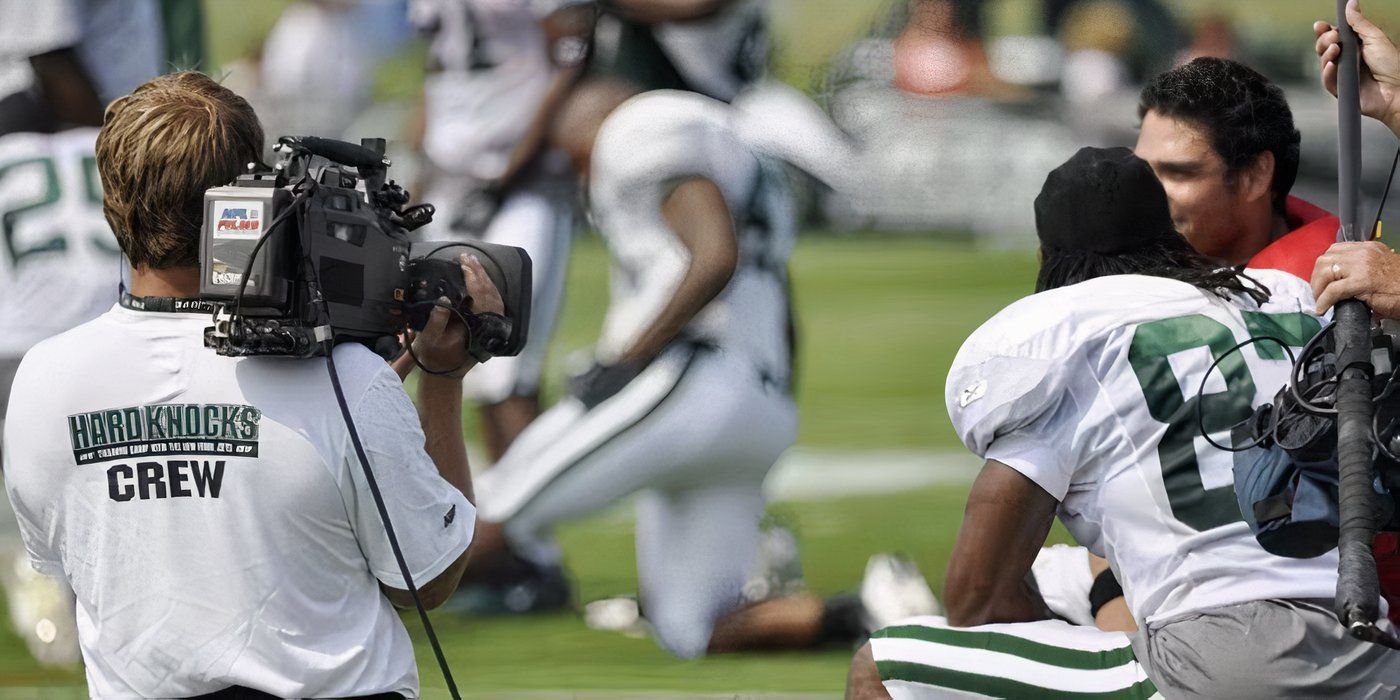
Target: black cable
(1300,396)
(299,205)
(315,281)
(296,206)
(1200,391)
(1385,195)
(409,345)
(388,524)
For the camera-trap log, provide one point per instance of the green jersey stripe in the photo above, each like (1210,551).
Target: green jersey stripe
(1000,687)
(1015,646)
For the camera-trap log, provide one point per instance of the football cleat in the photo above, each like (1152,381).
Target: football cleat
(543,589)
(777,568)
(893,590)
(622,614)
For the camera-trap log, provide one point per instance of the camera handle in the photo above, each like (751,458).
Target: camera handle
(337,151)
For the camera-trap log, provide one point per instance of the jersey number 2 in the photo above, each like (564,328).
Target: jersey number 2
(1191,502)
(47,170)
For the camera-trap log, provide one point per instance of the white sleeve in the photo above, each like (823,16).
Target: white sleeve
(1012,399)
(434,522)
(33,481)
(29,28)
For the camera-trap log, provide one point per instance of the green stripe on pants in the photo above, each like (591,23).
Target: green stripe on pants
(1000,687)
(1015,646)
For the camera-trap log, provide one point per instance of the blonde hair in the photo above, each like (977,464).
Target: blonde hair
(159,149)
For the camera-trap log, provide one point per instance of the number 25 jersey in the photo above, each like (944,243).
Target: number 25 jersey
(1091,391)
(59,263)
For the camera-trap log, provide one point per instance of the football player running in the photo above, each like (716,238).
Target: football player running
(1088,400)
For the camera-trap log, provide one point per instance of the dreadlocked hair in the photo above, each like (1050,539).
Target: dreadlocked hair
(1168,256)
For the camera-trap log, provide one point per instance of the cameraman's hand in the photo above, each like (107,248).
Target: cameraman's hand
(1380,66)
(442,344)
(485,298)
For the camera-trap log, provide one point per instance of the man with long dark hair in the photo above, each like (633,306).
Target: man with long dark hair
(1087,400)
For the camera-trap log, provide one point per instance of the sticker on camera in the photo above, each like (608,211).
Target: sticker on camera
(222,273)
(238,219)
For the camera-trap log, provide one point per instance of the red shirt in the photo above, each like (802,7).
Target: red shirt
(1296,252)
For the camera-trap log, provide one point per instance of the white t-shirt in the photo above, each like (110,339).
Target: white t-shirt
(1090,391)
(645,148)
(211,517)
(60,266)
(120,42)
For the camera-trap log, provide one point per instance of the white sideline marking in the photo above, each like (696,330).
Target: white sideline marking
(805,474)
(810,474)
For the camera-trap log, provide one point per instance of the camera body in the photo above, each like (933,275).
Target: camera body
(304,256)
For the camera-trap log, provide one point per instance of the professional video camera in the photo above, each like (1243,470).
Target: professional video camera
(315,252)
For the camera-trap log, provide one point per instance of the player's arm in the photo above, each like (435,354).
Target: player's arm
(699,217)
(1114,615)
(1006,521)
(566,32)
(67,87)
(650,11)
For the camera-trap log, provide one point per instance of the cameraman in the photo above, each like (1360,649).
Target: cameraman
(1368,271)
(209,512)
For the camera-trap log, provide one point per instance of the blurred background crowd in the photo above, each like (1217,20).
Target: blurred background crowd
(963,104)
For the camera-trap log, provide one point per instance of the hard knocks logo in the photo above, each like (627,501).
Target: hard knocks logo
(164,429)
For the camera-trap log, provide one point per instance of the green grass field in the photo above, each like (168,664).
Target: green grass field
(881,318)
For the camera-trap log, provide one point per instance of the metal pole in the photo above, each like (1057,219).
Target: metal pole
(1358,590)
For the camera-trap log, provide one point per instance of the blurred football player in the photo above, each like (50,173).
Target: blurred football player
(494,66)
(709,47)
(61,62)
(1088,399)
(689,404)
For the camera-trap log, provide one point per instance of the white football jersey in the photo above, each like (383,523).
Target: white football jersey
(644,149)
(59,264)
(1091,392)
(211,517)
(493,70)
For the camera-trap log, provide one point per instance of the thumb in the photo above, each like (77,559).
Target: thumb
(1365,28)
(437,320)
